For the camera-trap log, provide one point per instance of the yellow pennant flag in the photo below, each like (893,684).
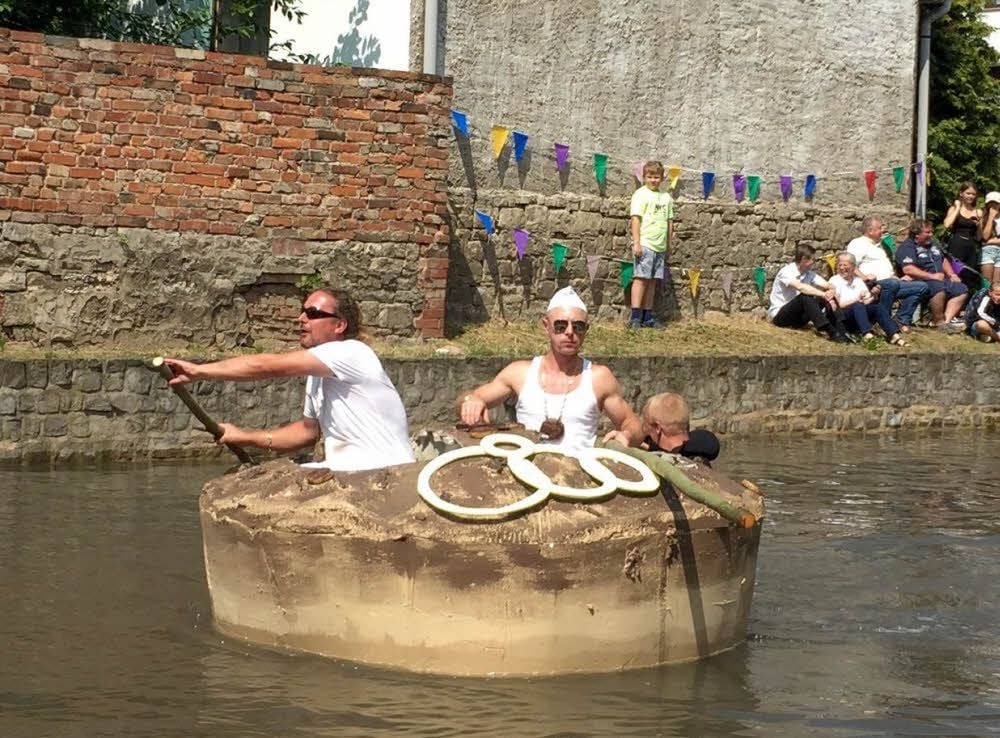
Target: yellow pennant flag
(498,137)
(673,174)
(693,276)
(831,259)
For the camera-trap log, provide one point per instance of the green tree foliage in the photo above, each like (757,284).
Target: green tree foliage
(167,22)
(964,127)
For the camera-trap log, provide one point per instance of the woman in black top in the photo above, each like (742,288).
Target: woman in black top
(963,219)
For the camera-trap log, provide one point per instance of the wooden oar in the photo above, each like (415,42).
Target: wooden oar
(210,425)
(665,470)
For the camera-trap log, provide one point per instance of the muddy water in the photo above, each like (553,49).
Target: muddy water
(877,612)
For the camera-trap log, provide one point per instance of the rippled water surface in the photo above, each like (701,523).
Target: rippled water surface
(876,613)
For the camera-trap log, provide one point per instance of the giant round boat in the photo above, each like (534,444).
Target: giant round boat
(502,559)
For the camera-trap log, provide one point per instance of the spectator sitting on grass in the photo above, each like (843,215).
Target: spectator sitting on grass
(919,258)
(858,304)
(983,313)
(800,296)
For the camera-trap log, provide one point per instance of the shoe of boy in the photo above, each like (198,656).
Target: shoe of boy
(654,323)
(634,324)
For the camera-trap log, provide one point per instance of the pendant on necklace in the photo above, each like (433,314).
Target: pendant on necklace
(552,429)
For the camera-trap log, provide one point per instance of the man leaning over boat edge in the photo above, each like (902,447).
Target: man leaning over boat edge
(349,401)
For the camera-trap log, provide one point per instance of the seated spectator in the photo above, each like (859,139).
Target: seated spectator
(666,423)
(858,304)
(919,258)
(878,273)
(800,296)
(983,313)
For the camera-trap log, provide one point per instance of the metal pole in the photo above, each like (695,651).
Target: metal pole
(430,36)
(923,100)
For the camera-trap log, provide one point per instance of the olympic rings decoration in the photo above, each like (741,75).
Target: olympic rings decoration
(519,462)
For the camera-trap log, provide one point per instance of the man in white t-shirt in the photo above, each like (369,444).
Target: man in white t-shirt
(879,274)
(350,401)
(561,394)
(800,296)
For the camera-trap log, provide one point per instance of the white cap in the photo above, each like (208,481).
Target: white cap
(566,298)
(993,197)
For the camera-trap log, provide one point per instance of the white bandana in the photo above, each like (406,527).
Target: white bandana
(566,298)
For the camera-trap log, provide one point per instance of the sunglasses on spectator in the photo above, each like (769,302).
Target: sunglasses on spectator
(314,313)
(579,326)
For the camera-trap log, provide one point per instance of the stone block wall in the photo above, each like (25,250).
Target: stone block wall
(173,195)
(60,410)
(715,238)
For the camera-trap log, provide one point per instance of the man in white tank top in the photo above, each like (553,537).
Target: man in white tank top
(350,401)
(561,395)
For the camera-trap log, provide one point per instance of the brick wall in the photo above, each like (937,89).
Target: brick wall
(307,169)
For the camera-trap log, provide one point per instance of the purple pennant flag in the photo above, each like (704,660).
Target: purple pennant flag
(521,237)
(786,186)
(487,222)
(707,183)
(810,187)
(919,169)
(562,155)
(460,121)
(593,262)
(957,266)
(739,186)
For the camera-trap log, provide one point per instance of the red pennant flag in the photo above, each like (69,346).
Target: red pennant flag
(870,182)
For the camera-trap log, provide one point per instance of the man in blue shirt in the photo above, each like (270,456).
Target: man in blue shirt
(919,258)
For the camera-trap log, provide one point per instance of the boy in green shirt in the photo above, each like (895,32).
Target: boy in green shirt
(650,213)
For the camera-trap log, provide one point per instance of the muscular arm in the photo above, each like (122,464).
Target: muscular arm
(247,368)
(611,401)
(473,407)
(298,434)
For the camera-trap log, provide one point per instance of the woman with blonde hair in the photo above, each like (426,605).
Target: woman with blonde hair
(990,236)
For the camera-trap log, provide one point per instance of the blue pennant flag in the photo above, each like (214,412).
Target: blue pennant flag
(487,222)
(460,121)
(520,144)
(707,183)
(810,187)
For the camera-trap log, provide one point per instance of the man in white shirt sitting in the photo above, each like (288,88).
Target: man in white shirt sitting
(800,296)
(879,274)
(350,400)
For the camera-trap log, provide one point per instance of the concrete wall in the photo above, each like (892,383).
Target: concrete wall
(158,194)
(60,410)
(781,86)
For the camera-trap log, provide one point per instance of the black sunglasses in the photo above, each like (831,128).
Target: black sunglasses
(314,313)
(579,326)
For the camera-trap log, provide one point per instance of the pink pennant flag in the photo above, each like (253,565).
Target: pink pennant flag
(562,155)
(637,170)
(521,238)
(593,262)
(727,283)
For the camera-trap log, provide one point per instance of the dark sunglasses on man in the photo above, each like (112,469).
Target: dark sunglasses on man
(579,326)
(314,313)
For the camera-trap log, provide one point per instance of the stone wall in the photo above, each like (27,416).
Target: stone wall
(765,88)
(61,410)
(715,238)
(174,195)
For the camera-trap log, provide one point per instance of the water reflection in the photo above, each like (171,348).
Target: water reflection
(875,614)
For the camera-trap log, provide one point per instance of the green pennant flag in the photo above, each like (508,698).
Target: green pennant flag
(600,167)
(558,255)
(753,187)
(626,275)
(898,173)
(759,277)
(985,282)
(890,243)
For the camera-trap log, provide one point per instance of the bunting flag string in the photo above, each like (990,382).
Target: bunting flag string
(831,261)
(558,256)
(600,167)
(521,238)
(739,186)
(498,138)
(726,279)
(810,187)
(487,222)
(520,144)
(753,186)
(707,183)
(898,175)
(870,182)
(562,155)
(665,279)
(637,168)
(785,183)
(460,121)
